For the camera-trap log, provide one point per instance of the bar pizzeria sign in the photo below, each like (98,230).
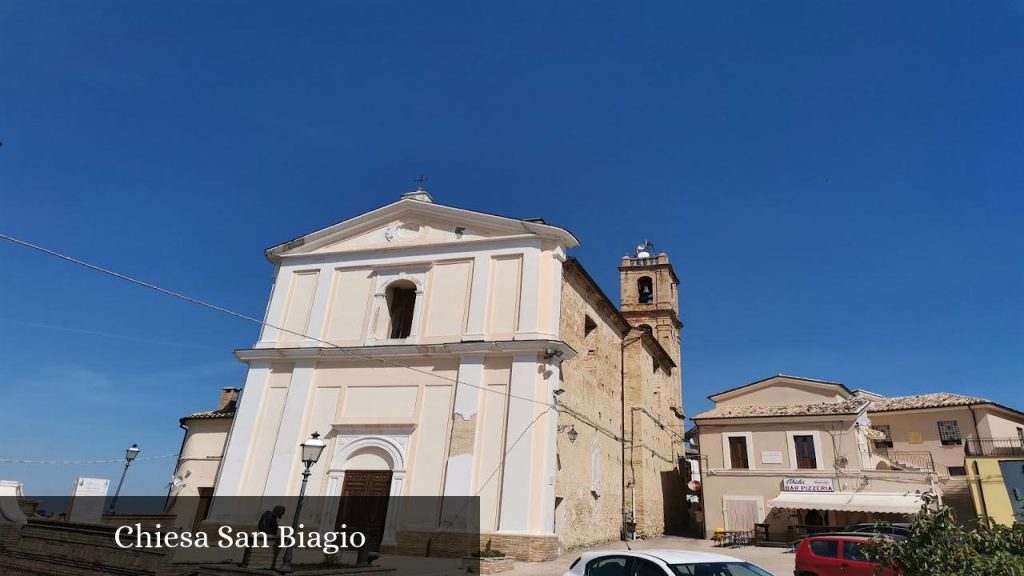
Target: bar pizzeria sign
(808,485)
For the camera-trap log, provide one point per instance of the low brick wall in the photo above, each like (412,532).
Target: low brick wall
(45,548)
(525,547)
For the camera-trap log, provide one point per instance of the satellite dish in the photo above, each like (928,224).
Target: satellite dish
(177,482)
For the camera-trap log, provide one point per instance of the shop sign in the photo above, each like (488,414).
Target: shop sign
(808,485)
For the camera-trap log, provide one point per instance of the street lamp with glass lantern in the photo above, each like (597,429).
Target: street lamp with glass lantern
(129,455)
(311,450)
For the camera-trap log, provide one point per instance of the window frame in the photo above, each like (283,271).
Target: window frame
(638,562)
(837,543)
(591,564)
(380,317)
(958,441)
(639,293)
(408,299)
(801,456)
(819,457)
(727,449)
(887,443)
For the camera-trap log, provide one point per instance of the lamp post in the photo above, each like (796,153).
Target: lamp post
(311,450)
(129,455)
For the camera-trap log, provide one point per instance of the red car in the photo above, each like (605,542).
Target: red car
(836,555)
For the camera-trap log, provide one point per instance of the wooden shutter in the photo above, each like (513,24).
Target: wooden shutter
(805,457)
(738,452)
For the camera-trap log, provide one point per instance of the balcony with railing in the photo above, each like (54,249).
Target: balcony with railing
(989,447)
(918,461)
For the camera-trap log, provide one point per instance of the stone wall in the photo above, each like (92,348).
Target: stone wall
(44,548)
(654,444)
(593,408)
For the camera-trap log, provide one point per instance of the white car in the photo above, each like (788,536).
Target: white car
(661,563)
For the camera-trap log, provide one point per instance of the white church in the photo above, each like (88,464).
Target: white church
(425,344)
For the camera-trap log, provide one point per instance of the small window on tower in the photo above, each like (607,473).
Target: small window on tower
(645,290)
(588,325)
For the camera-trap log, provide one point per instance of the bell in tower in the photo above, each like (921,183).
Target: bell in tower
(649,291)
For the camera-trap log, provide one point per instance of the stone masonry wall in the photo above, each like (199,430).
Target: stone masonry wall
(592,385)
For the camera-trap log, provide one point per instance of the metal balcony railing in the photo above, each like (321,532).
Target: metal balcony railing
(994,447)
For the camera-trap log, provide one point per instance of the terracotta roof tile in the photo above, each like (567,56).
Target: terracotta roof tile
(935,400)
(226,412)
(852,406)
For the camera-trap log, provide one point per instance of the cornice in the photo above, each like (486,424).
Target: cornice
(408,350)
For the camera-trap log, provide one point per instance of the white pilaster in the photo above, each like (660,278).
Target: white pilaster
(551,446)
(556,293)
(285,463)
(243,430)
(529,294)
(417,313)
(377,315)
(318,311)
(278,301)
(476,325)
(459,480)
(516,484)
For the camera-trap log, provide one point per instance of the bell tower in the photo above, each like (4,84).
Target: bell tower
(649,291)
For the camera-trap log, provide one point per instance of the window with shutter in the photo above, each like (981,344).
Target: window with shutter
(805,458)
(738,452)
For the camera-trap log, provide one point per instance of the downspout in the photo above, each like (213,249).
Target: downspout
(622,433)
(981,491)
(700,471)
(975,469)
(974,416)
(632,464)
(167,502)
(622,428)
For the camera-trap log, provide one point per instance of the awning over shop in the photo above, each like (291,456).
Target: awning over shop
(887,502)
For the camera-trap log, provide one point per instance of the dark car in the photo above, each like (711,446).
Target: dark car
(837,555)
(897,529)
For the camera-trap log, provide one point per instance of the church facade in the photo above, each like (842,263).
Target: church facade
(441,351)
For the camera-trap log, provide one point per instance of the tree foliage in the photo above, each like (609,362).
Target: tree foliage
(938,546)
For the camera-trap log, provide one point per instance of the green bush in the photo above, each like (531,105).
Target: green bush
(938,546)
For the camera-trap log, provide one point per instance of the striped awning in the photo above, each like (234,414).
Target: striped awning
(884,502)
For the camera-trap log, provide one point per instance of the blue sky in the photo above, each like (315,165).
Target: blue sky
(837,183)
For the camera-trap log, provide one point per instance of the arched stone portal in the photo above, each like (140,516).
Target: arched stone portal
(368,448)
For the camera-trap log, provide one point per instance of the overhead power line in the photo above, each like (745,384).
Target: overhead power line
(247,318)
(111,461)
(558,407)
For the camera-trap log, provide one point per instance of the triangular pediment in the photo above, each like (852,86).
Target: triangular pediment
(782,389)
(410,223)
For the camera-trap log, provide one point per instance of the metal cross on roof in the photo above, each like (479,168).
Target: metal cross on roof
(420,180)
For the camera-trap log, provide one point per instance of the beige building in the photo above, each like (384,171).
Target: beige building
(195,474)
(798,453)
(441,351)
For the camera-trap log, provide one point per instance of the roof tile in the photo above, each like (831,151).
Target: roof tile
(935,400)
(852,406)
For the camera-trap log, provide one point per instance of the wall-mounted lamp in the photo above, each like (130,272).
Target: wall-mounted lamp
(551,353)
(572,434)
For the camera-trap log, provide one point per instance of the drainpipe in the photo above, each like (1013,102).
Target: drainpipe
(981,491)
(632,465)
(622,430)
(167,501)
(700,471)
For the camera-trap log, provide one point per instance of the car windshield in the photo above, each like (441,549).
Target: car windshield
(718,569)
